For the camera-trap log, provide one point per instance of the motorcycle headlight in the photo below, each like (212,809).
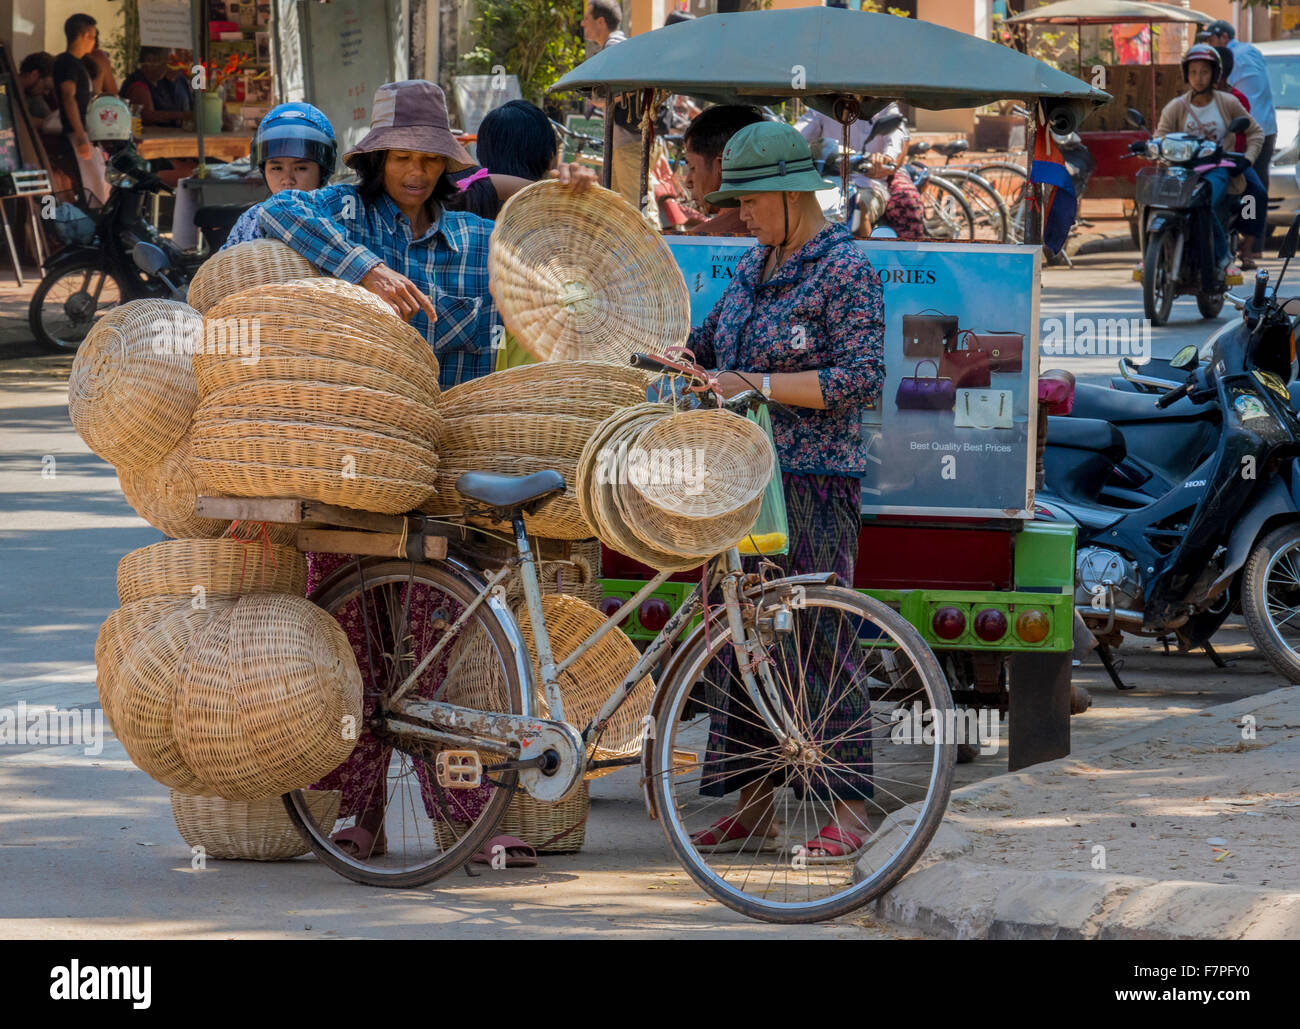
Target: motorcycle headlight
(1178,149)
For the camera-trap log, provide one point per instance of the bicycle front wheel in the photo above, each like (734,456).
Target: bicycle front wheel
(990,210)
(396,825)
(1012,183)
(858,684)
(948,214)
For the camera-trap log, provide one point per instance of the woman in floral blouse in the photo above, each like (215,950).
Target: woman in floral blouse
(803,320)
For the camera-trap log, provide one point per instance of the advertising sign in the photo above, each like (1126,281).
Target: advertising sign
(951,432)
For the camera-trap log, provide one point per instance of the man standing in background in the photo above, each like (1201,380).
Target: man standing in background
(1251,77)
(72,93)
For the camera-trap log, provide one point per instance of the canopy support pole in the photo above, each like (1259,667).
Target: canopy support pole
(607,166)
(198,24)
(1034,215)
(647,145)
(1151,42)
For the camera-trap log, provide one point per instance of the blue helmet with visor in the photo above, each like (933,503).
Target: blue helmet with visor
(299,131)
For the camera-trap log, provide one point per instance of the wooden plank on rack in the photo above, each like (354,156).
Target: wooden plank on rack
(328,514)
(370,544)
(250,509)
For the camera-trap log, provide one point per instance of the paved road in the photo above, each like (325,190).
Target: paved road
(103,831)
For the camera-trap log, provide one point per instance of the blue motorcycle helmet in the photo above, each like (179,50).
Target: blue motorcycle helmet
(296,130)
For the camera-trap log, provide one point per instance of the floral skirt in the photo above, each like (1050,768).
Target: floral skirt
(824,519)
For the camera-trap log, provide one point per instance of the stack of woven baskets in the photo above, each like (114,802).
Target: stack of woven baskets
(337,401)
(671,489)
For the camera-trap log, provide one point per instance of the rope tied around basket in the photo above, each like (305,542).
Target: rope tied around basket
(261,534)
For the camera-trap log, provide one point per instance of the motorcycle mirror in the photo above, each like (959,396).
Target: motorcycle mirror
(1133,118)
(1186,359)
(884,126)
(1238,125)
(149,258)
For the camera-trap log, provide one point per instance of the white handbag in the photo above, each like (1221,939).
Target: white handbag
(983,409)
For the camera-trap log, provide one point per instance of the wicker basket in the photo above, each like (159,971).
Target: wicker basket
(560,519)
(121,628)
(595,389)
(268,698)
(687,537)
(586,684)
(132,392)
(224,568)
(547,828)
(735,454)
(246,266)
(282,366)
(583,276)
(249,830)
(163,494)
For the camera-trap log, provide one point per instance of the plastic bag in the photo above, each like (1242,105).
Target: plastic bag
(771,533)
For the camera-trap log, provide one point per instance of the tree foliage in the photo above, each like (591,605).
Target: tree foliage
(536,40)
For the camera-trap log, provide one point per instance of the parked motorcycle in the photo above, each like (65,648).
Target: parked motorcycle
(1215,519)
(83,282)
(1176,228)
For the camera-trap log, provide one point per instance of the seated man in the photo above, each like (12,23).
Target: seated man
(1206,112)
(149,88)
(36,81)
(703,142)
(886,152)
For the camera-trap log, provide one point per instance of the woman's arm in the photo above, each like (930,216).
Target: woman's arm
(311,223)
(854,367)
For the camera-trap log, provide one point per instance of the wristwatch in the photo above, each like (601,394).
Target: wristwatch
(767,386)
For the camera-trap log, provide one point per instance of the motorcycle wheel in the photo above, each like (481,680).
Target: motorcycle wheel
(1209,304)
(1270,599)
(67,304)
(1158,286)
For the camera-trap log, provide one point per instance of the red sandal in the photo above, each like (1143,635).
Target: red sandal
(727,835)
(836,846)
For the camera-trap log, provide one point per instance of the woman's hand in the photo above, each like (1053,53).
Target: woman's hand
(733,383)
(878,166)
(398,291)
(576,176)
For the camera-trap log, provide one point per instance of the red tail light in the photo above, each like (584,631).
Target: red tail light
(611,604)
(948,623)
(653,614)
(990,625)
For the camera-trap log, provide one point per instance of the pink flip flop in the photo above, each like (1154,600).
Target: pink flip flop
(365,842)
(836,845)
(727,835)
(518,854)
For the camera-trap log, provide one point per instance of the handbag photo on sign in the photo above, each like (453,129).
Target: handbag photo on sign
(967,366)
(917,392)
(927,333)
(1006,350)
(983,409)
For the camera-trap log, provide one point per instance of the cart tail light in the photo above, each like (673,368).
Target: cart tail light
(653,614)
(611,604)
(1033,625)
(948,623)
(990,625)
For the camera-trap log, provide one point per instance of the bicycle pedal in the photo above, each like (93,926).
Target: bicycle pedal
(459,769)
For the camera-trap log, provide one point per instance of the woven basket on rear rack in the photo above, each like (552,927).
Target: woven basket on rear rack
(132,391)
(246,266)
(249,830)
(584,276)
(268,698)
(279,366)
(223,568)
(163,494)
(593,389)
(561,518)
(547,828)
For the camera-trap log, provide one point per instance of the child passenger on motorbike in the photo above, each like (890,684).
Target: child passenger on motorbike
(1206,112)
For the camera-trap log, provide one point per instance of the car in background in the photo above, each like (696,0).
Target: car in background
(1282,60)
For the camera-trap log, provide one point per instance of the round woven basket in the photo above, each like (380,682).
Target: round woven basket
(246,266)
(586,684)
(249,830)
(547,828)
(594,389)
(121,628)
(687,537)
(309,445)
(280,366)
(132,392)
(268,698)
(224,568)
(584,276)
(578,577)
(560,519)
(146,684)
(163,494)
(734,453)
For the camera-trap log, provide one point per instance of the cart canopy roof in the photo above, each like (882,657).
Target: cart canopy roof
(1106,12)
(819,54)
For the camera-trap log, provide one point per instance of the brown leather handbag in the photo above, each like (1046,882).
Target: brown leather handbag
(967,366)
(1006,350)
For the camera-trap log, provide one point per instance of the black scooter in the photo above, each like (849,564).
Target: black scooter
(1193,540)
(82,282)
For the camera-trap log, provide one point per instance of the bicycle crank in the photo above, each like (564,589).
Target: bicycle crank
(551,754)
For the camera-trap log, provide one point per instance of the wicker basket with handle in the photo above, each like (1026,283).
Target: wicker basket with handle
(249,830)
(223,568)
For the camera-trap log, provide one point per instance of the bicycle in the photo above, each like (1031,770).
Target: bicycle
(987,204)
(454,702)
(947,212)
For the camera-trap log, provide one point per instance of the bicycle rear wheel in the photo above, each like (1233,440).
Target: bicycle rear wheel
(395,613)
(1011,181)
(948,214)
(857,682)
(986,204)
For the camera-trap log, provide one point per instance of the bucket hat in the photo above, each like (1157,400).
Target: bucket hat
(411,115)
(766,157)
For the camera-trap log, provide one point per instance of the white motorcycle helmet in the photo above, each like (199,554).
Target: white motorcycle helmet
(108,120)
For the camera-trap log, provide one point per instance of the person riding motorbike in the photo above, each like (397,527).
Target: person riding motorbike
(885,153)
(1253,230)
(1206,112)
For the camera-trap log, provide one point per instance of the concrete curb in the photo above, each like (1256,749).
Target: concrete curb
(950,894)
(1100,243)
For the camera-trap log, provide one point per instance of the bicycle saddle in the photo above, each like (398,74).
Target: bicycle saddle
(918,148)
(510,492)
(951,149)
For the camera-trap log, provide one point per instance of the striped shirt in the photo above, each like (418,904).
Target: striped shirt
(346,236)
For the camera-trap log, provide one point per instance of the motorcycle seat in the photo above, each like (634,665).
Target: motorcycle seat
(1086,434)
(1113,405)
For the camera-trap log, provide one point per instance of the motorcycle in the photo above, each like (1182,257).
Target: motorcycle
(1176,231)
(83,281)
(1215,523)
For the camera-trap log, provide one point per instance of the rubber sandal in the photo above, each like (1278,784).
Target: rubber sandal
(1246,264)
(728,836)
(364,843)
(509,845)
(832,843)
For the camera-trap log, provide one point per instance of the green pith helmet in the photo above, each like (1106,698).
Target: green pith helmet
(767,157)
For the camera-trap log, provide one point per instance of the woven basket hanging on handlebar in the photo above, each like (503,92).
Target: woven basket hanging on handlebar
(583,276)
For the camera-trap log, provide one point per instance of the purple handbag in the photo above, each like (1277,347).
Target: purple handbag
(925,393)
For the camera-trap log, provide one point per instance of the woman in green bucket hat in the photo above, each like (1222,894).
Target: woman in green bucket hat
(803,320)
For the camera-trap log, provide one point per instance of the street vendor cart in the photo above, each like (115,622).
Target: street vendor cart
(989,589)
